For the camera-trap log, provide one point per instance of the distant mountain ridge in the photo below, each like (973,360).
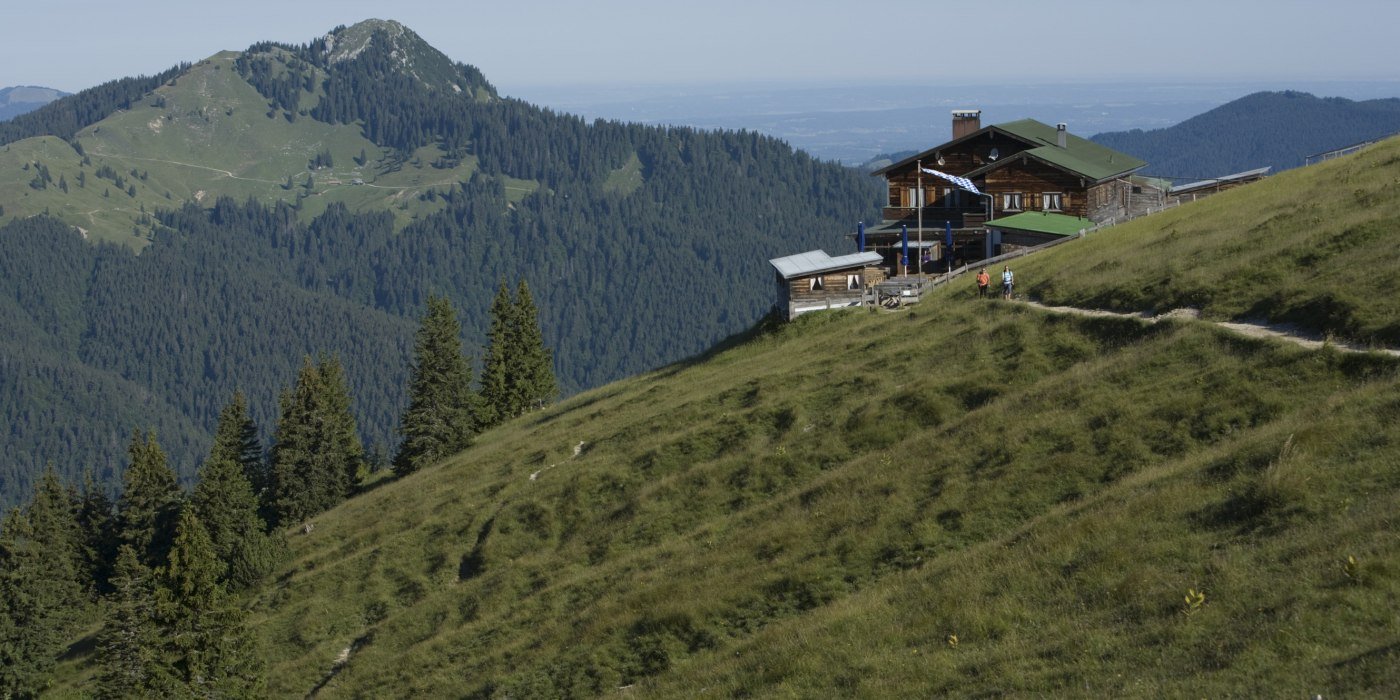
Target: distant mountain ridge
(1276,129)
(290,200)
(19,99)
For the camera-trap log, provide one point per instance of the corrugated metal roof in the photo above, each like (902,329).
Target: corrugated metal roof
(1080,155)
(1202,184)
(814,261)
(1042,222)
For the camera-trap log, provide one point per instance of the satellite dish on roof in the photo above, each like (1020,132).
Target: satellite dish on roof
(994,154)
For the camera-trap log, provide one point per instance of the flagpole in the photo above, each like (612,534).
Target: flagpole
(919,202)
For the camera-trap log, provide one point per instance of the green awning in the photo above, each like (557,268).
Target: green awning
(1042,222)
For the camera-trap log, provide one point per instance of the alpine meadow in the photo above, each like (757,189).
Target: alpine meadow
(330,373)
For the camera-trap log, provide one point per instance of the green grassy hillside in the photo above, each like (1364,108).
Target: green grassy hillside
(209,133)
(1314,247)
(964,498)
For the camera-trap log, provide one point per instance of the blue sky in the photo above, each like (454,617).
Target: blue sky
(521,44)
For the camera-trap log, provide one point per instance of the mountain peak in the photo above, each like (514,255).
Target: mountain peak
(407,50)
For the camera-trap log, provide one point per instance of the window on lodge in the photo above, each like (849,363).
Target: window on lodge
(852,281)
(1011,201)
(913,197)
(815,284)
(1052,201)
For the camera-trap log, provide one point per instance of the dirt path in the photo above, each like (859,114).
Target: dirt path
(1252,330)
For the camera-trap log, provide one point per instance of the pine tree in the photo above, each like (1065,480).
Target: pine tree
(316,453)
(535,362)
(213,654)
(97,542)
(236,440)
(518,372)
(149,503)
(441,415)
(130,648)
(498,402)
(225,503)
(42,599)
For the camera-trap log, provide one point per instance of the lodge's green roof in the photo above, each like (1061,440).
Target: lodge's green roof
(1080,155)
(1042,222)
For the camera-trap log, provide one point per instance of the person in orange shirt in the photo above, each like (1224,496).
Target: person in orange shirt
(984,282)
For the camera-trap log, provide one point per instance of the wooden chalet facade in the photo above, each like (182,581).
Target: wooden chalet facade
(1021,166)
(814,281)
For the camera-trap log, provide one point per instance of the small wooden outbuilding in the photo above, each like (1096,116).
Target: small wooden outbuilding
(814,281)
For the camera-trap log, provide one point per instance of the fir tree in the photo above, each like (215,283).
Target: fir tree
(316,453)
(130,653)
(212,653)
(225,503)
(149,503)
(41,597)
(498,402)
(518,372)
(534,361)
(236,440)
(440,419)
(97,541)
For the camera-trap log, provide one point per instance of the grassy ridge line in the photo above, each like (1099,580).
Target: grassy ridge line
(700,552)
(1315,247)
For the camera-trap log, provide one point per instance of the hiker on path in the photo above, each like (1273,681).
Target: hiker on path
(984,281)
(1008,280)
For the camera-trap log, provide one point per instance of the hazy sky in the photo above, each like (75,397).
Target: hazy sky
(521,43)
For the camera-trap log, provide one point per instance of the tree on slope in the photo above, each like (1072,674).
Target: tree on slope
(518,372)
(149,502)
(441,416)
(130,649)
(535,362)
(236,440)
(212,653)
(225,503)
(316,453)
(42,598)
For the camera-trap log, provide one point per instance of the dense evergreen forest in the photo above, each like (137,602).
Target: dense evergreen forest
(234,295)
(1277,129)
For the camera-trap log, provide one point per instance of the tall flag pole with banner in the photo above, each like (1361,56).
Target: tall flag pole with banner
(919,202)
(961,182)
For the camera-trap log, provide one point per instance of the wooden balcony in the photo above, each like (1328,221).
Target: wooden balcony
(960,217)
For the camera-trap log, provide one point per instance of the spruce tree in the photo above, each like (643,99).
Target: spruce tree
(441,415)
(212,653)
(534,361)
(316,453)
(130,649)
(236,440)
(225,503)
(98,542)
(497,401)
(149,503)
(42,599)
(518,372)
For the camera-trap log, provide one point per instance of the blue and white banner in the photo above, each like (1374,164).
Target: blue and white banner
(961,182)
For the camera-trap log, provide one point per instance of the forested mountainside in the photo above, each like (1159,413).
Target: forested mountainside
(1277,129)
(408,175)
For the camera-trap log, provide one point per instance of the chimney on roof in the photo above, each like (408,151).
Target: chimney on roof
(966,121)
(1062,135)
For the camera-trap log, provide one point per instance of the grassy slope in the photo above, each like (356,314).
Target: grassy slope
(1314,246)
(816,510)
(1045,488)
(209,134)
